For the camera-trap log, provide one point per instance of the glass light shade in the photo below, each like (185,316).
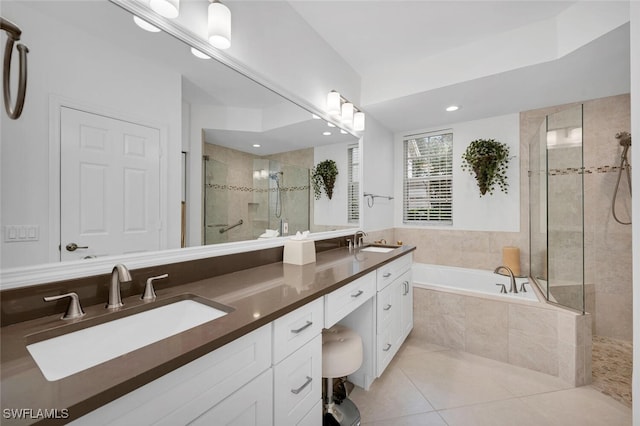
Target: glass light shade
(145,25)
(166,8)
(358,121)
(347,112)
(219,25)
(199,54)
(333,103)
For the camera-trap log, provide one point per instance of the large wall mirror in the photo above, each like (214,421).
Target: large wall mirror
(129,143)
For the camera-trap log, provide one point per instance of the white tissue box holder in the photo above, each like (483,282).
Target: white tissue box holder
(299,252)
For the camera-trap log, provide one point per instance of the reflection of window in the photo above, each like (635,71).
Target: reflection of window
(428,168)
(353,213)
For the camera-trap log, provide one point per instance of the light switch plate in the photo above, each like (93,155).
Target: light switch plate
(21,233)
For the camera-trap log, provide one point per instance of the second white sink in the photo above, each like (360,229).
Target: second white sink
(378,249)
(71,353)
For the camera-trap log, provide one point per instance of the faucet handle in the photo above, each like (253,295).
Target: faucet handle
(74,310)
(149,292)
(522,288)
(503,288)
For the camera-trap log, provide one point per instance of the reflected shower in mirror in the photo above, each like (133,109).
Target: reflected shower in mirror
(138,102)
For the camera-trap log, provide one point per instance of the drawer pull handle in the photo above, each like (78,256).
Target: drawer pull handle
(406,287)
(387,347)
(386,308)
(387,275)
(304,385)
(298,330)
(357,294)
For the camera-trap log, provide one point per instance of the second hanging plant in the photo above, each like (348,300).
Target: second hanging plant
(323,176)
(488,160)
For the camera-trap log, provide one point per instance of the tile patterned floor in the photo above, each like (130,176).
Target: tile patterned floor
(429,385)
(612,364)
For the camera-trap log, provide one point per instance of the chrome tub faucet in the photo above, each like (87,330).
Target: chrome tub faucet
(514,287)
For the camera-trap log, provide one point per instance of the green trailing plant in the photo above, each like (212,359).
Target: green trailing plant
(323,177)
(488,160)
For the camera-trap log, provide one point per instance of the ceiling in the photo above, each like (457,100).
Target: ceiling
(387,41)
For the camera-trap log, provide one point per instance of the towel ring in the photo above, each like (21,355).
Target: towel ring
(13,35)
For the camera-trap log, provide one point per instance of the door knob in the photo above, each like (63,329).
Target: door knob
(74,247)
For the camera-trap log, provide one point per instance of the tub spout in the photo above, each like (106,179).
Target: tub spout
(514,287)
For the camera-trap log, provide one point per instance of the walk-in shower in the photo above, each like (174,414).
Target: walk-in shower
(624,138)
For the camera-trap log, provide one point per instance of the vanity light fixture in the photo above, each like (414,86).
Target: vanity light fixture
(145,25)
(350,115)
(199,54)
(452,108)
(347,113)
(358,121)
(219,17)
(166,8)
(333,103)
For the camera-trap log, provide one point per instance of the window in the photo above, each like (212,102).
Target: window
(353,213)
(428,168)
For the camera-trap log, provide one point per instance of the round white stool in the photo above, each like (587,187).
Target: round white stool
(341,356)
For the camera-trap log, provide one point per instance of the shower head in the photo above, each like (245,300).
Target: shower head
(275,176)
(624,138)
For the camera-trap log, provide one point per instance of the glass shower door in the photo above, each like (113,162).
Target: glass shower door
(557,208)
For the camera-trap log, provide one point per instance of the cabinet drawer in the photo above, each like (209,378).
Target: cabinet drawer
(293,330)
(387,348)
(250,406)
(185,393)
(392,270)
(387,306)
(313,417)
(341,302)
(297,383)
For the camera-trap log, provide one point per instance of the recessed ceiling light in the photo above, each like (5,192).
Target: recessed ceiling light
(315,117)
(326,133)
(344,132)
(145,25)
(199,54)
(256,145)
(330,124)
(453,108)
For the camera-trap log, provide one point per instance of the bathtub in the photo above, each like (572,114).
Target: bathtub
(469,281)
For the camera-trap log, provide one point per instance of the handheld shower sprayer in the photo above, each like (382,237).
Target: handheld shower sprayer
(624,138)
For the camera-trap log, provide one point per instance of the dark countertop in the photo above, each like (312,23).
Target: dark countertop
(257,296)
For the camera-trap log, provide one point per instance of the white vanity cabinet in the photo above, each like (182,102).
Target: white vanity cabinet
(394,310)
(194,389)
(297,366)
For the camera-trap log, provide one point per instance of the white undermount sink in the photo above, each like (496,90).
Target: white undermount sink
(378,249)
(71,353)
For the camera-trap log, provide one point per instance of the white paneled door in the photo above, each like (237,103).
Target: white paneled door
(109,186)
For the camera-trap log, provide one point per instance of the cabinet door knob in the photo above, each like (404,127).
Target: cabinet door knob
(298,330)
(357,294)
(304,385)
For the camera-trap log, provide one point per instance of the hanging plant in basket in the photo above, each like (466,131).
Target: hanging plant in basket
(488,160)
(323,177)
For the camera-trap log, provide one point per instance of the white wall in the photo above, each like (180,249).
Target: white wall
(635,159)
(377,176)
(497,212)
(333,212)
(61,63)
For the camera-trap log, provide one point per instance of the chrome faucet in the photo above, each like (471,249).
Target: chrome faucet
(358,242)
(119,274)
(514,287)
